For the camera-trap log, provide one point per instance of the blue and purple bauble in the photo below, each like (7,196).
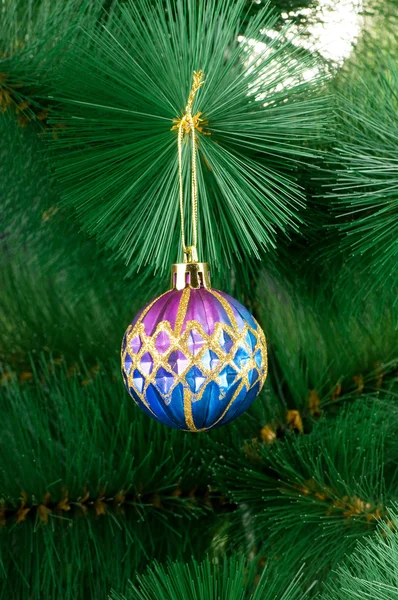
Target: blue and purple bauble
(194,358)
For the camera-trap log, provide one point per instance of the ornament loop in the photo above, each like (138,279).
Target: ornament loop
(190,254)
(186,125)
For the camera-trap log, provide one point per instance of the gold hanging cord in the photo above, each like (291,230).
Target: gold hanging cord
(187,124)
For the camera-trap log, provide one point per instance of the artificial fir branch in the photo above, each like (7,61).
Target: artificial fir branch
(230,578)
(190,502)
(312,488)
(383,376)
(32,38)
(12,99)
(88,556)
(364,196)
(54,276)
(370,572)
(38,381)
(73,463)
(125,142)
(322,346)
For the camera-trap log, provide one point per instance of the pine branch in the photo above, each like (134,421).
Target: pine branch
(309,498)
(229,579)
(118,100)
(27,492)
(145,505)
(70,296)
(365,194)
(33,37)
(321,352)
(86,557)
(370,572)
(92,487)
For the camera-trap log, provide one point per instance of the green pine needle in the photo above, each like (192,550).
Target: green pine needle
(60,294)
(33,37)
(90,488)
(321,346)
(371,571)
(88,557)
(229,579)
(117,155)
(310,497)
(365,195)
(73,427)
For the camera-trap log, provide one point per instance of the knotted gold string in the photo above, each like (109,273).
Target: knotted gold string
(187,124)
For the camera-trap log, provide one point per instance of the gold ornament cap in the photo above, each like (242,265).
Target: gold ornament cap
(190,273)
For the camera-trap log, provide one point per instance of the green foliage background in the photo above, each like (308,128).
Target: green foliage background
(298,185)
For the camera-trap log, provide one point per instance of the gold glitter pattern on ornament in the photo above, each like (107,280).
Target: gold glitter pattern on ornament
(236,394)
(149,364)
(226,306)
(182,310)
(142,315)
(188,410)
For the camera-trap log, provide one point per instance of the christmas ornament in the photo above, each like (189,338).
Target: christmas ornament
(194,358)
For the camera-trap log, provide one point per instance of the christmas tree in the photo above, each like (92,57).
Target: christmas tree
(294,130)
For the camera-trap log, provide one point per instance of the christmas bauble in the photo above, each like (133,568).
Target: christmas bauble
(194,358)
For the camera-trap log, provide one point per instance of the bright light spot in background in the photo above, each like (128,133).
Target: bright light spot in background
(334,26)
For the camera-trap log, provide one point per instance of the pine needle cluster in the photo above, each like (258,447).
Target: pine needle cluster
(228,579)
(118,98)
(364,196)
(370,572)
